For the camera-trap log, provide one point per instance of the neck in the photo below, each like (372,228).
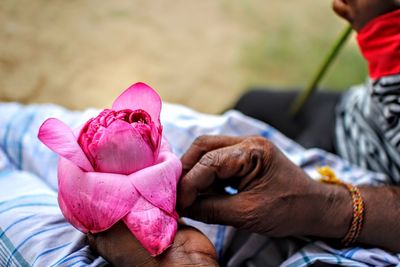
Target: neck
(379,42)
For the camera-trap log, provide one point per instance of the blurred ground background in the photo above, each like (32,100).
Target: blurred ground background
(202,54)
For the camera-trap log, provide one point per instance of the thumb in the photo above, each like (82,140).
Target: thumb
(218,165)
(220,209)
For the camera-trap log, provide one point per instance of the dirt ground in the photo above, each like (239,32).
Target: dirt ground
(202,54)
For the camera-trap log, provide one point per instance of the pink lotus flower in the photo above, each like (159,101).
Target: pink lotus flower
(119,168)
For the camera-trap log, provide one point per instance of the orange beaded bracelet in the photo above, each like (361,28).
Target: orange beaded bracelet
(328,176)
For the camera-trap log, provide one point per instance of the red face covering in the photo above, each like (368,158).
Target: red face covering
(379,41)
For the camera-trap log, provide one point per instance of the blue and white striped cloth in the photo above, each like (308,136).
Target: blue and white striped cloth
(33,231)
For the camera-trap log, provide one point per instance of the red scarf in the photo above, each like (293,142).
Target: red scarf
(379,42)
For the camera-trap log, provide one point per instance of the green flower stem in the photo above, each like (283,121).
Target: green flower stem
(302,97)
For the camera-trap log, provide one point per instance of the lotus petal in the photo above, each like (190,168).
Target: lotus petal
(57,136)
(140,96)
(94,201)
(122,149)
(157,184)
(154,228)
(69,216)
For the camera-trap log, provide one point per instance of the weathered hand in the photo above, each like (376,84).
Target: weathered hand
(120,248)
(275,196)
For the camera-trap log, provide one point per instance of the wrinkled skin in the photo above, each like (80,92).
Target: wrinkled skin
(274,195)
(360,12)
(120,248)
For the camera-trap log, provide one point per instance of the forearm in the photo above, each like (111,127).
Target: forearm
(381,227)
(382,216)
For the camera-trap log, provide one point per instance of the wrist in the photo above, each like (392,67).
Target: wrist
(332,211)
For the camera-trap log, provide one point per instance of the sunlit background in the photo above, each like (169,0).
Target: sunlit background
(202,54)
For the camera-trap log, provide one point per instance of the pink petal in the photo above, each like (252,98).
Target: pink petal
(165,146)
(157,184)
(122,149)
(140,96)
(156,137)
(93,201)
(57,136)
(154,229)
(69,216)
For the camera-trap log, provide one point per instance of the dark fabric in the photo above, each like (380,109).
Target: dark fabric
(313,127)
(253,250)
(368,127)
(323,264)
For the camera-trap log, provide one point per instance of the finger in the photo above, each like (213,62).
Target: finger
(220,209)
(118,246)
(222,164)
(204,144)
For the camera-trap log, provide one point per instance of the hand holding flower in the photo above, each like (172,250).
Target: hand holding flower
(119,168)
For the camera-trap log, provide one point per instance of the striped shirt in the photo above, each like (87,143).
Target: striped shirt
(368,126)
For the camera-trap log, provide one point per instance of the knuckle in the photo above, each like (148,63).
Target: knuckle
(263,148)
(258,150)
(201,141)
(210,159)
(261,142)
(255,154)
(258,139)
